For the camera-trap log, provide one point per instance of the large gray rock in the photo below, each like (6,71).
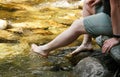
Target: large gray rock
(114,52)
(90,67)
(99,64)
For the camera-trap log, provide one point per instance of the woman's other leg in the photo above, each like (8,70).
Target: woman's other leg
(87,40)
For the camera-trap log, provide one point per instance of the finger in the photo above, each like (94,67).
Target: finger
(108,49)
(90,3)
(94,3)
(112,44)
(104,48)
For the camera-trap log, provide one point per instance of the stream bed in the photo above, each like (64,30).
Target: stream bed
(35,21)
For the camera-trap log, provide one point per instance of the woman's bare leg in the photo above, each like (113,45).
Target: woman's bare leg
(87,40)
(65,38)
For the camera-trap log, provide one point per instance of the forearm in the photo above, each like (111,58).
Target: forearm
(115,17)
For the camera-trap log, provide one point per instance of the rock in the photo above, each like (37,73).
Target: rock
(75,59)
(3,24)
(114,52)
(10,7)
(67,4)
(6,35)
(37,72)
(100,39)
(90,67)
(96,64)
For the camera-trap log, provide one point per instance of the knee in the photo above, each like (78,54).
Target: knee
(87,7)
(77,23)
(78,26)
(85,3)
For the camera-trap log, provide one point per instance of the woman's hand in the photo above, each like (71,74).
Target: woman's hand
(109,43)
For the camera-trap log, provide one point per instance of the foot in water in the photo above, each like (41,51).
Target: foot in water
(82,47)
(39,50)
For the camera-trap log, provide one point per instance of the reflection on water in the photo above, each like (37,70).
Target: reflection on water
(33,22)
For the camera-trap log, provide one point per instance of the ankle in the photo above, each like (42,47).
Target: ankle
(89,43)
(45,48)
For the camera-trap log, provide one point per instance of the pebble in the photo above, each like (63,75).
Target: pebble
(3,24)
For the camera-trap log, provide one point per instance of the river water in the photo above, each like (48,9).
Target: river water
(35,21)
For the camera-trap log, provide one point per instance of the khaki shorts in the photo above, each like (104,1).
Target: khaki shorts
(98,24)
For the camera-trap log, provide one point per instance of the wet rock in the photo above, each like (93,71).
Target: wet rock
(90,67)
(3,24)
(67,4)
(75,59)
(16,30)
(9,7)
(6,35)
(8,41)
(114,52)
(56,68)
(37,72)
(96,65)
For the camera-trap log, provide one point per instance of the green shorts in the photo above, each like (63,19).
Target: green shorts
(98,24)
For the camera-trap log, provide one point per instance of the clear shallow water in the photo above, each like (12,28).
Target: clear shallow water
(33,22)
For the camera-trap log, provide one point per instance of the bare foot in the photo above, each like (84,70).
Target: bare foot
(82,47)
(39,50)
